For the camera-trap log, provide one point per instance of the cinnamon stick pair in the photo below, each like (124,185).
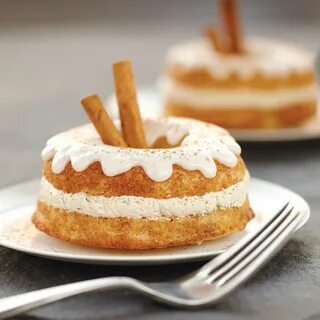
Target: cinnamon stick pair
(131,122)
(232,42)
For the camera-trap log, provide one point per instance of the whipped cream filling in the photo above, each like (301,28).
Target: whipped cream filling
(272,58)
(139,207)
(202,144)
(235,98)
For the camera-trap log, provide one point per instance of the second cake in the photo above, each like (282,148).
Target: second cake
(270,85)
(238,82)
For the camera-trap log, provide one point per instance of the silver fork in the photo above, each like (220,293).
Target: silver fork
(206,286)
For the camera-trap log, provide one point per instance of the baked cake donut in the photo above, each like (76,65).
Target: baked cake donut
(190,186)
(154,184)
(265,84)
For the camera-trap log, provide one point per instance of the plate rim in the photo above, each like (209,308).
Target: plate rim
(134,260)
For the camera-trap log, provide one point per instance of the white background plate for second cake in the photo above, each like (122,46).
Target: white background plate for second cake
(151,106)
(17,232)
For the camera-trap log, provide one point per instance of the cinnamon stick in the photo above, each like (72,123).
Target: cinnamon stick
(214,38)
(105,127)
(230,18)
(131,122)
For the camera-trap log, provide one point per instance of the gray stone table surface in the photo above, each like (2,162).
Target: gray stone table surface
(54,53)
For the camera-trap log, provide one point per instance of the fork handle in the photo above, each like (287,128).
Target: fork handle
(20,303)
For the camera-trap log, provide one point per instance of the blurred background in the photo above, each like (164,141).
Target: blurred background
(55,52)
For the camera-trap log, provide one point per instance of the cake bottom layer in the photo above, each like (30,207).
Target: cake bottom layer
(125,233)
(285,116)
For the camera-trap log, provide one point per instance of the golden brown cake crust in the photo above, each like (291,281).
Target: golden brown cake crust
(253,117)
(284,117)
(125,233)
(136,183)
(201,78)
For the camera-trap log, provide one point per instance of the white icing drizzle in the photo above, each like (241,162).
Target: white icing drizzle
(139,207)
(272,58)
(202,145)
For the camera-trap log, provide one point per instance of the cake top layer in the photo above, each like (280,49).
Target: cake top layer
(201,145)
(271,58)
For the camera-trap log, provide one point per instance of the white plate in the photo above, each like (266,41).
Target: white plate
(18,233)
(151,106)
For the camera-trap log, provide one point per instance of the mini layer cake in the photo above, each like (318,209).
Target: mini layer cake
(236,82)
(270,85)
(188,186)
